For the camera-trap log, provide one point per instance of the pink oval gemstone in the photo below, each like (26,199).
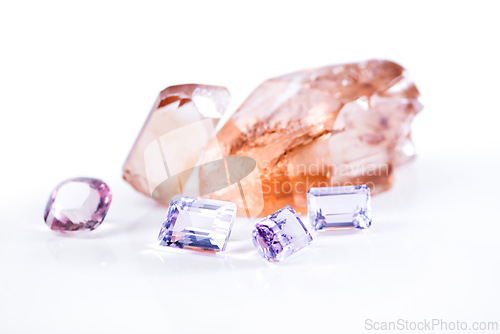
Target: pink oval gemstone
(78,204)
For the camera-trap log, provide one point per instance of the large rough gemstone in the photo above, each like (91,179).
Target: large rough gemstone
(330,126)
(197,224)
(166,158)
(339,207)
(280,235)
(78,204)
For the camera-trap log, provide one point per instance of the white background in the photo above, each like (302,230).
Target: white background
(76,83)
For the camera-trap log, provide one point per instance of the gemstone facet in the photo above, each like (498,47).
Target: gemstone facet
(197,224)
(280,234)
(339,207)
(78,204)
(330,126)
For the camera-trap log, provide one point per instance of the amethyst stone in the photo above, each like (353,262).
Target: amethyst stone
(197,224)
(280,234)
(339,207)
(78,204)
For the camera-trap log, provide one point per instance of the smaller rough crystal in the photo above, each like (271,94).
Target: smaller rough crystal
(339,207)
(78,204)
(167,151)
(280,234)
(197,224)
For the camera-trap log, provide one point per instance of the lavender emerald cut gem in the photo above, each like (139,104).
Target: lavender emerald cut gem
(280,234)
(197,224)
(78,204)
(339,207)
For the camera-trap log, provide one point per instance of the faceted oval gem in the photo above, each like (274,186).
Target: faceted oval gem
(78,204)
(280,235)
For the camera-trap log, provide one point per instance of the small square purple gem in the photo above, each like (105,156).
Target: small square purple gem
(280,234)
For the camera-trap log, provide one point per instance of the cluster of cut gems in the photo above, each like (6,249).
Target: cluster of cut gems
(205,224)
(282,233)
(293,119)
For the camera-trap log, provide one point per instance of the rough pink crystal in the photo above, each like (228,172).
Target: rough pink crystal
(332,126)
(77,204)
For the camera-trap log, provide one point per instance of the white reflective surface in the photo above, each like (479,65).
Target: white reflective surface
(431,252)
